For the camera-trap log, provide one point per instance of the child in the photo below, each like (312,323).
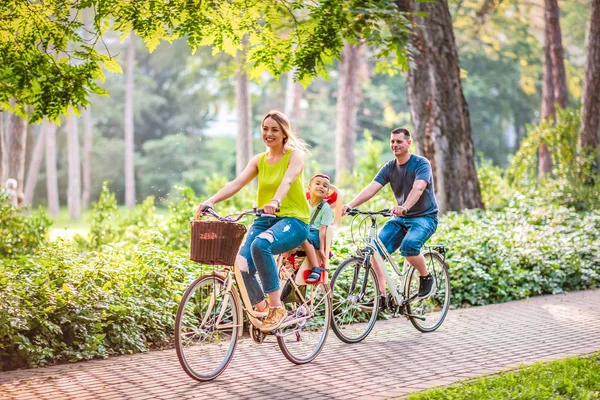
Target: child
(321,216)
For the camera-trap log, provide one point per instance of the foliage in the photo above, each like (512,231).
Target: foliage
(40,67)
(495,190)
(573,182)
(573,378)
(62,305)
(51,66)
(524,250)
(20,234)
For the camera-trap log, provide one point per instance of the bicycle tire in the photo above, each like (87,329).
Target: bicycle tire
(339,294)
(304,349)
(189,356)
(439,269)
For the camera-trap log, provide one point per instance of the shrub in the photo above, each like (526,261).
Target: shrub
(20,234)
(62,305)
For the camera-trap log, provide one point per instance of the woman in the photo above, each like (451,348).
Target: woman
(280,192)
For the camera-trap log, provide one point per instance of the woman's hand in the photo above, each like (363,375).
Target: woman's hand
(272,207)
(203,206)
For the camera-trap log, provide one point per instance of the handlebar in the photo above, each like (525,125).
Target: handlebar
(231,218)
(386,212)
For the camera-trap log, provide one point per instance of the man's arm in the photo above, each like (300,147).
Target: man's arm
(412,198)
(366,194)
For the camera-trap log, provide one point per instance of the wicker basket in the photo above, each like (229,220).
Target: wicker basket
(216,242)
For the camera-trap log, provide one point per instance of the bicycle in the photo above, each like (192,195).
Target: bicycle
(356,287)
(210,322)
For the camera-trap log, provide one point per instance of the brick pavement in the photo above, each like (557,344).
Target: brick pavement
(394,360)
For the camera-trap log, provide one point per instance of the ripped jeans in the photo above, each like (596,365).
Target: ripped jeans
(266,237)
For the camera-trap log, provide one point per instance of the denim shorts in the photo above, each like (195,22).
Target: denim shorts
(313,238)
(408,234)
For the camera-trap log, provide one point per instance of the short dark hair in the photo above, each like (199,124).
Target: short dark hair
(401,131)
(320,176)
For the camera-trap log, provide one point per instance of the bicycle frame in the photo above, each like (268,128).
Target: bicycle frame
(376,248)
(246,304)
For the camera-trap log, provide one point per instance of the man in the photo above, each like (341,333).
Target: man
(416,213)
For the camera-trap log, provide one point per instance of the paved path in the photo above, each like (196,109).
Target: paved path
(394,360)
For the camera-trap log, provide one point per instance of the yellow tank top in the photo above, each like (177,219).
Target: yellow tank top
(294,204)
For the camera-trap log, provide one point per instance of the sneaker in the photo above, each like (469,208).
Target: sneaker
(426,287)
(261,311)
(274,319)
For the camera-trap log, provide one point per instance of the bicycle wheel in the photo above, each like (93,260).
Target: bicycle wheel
(355,300)
(427,315)
(207,327)
(303,341)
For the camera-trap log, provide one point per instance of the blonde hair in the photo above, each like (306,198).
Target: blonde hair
(290,138)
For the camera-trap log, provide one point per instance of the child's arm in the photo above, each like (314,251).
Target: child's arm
(336,189)
(322,238)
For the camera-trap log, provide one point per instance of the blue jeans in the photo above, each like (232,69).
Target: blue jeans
(285,234)
(410,234)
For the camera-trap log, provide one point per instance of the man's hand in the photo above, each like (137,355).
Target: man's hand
(203,206)
(399,210)
(345,208)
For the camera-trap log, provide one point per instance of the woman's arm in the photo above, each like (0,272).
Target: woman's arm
(294,169)
(245,177)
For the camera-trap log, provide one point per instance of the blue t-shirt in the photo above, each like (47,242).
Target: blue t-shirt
(402,177)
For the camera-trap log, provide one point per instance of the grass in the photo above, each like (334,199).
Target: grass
(572,378)
(83,223)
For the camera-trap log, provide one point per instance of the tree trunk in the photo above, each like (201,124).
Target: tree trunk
(87,130)
(51,174)
(557,55)
(439,111)
(129,134)
(14,146)
(590,109)
(347,107)
(548,110)
(34,165)
(289,94)
(87,157)
(244,117)
(74,185)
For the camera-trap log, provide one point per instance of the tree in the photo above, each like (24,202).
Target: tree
(590,108)
(548,109)
(87,133)
(51,174)
(129,126)
(244,117)
(308,35)
(34,165)
(74,186)
(14,146)
(86,179)
(439,111)
(554,74)
(348,95)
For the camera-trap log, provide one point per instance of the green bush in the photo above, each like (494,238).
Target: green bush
(20,234)
(63,305)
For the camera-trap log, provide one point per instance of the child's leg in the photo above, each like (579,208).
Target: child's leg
(311,253)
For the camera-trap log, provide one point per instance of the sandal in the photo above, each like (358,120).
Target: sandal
(315,275)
